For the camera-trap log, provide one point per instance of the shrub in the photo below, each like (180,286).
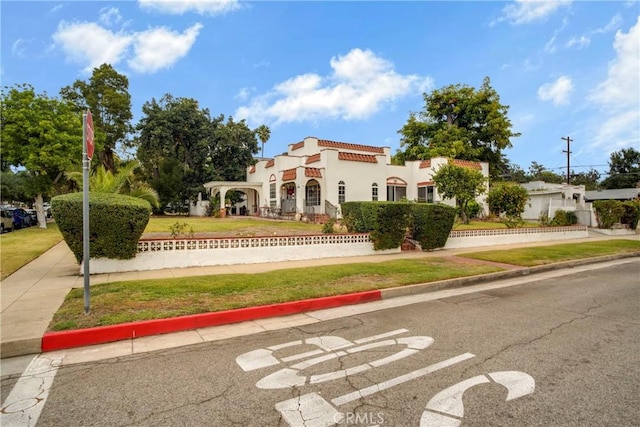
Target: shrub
(181,229)
(386,221)
(473,209)
(608,212)
(562,218)
(327,227)
(116,223)
(631,213)
(508,201)
(431,224)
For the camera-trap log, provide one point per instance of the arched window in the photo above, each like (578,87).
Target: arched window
(374,192)
(341,192)
(312,191)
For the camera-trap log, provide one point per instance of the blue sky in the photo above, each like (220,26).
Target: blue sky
(352,71)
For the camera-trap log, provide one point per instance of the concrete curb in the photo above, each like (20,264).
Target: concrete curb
(84,337)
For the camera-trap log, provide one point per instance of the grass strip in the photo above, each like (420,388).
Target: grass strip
(121,302)
(20,247)
(540,255)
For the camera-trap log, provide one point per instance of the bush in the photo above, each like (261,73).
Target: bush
(431,224)
(116,223)
(181,229)
(508,201)
(562,218)
(608,212)
(327,227)
(473,209)
(386,221)
(631,213)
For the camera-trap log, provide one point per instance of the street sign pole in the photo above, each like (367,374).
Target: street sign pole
(85,211)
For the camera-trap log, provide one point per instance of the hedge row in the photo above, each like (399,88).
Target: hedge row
(388,222)
(611,212)
(116,223)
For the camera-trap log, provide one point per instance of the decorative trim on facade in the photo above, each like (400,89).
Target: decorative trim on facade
(352,157)
(467,164)
(425,164)
(312,173)
(270,163)
(425,183)
(349,146)
(252,169)
(313,158)
(161,245)
(394,180)
(272,178)
(289,175)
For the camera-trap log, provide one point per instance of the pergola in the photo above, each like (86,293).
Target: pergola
(253,190)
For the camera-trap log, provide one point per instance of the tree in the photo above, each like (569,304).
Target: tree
(508,200)
(589,179)
(460,122)
(459,183)
(206,149)
(43,135)
(624,169)
(537,172)
(106,95)
(263,133)
(123,182)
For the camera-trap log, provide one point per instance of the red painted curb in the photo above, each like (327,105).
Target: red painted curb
(103,334)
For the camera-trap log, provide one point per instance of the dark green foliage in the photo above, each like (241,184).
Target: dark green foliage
(631,213)
(327,227)
(608,212)
(392,220)
(508,200)
(473,209)
(116,223)
(562,218)
(431,224)
(624,169)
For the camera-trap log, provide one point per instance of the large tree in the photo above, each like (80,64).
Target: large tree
(106,94)
(459,122)
(624,169)
(178,138)
(459,183)
(43,135)
(263,133)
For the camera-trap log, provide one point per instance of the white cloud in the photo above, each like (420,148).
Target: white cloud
(244,93)
(613,24)
(159,48)
(617,96)
(202,7)
(558,92)
(110,16)
(580,42)
(90,44)
(19,47)
(525,11)
(360,84)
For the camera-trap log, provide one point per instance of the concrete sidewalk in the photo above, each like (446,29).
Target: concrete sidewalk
(32,295)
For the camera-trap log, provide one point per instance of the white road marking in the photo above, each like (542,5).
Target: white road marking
(518,383)
(288,377)
(27,398)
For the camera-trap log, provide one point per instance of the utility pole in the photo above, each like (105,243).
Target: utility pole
(568,151)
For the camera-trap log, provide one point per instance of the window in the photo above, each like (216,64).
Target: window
(425,194)
(396,193)
(313,193)
(272,195)
(341,192)
(374,192)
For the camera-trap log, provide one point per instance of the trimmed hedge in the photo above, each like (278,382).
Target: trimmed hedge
(116,223)
(387,222)
(563,218)
(432,224)
(608,212)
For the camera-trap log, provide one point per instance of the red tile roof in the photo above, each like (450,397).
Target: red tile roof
(289,175)
(467,164)
(425,164)
(366,158)
(313,159)
(297,145)
(312,173)
(348,146)
(270,163)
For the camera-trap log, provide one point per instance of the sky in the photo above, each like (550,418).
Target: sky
(352,71)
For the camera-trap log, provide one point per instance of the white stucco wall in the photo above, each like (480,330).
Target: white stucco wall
(476,238)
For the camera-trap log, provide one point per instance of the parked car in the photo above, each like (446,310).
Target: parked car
(21,218)
(34,215)
(6,220)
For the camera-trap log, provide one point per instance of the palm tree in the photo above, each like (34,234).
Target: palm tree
(123,182)
(263,132)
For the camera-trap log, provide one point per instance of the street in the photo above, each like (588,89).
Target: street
(554,352)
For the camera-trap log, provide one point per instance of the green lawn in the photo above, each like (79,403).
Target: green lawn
(19,247)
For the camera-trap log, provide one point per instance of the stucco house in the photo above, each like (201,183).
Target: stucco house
(547,198)
(315,176)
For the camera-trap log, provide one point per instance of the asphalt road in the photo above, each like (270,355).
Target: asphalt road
(559,352)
